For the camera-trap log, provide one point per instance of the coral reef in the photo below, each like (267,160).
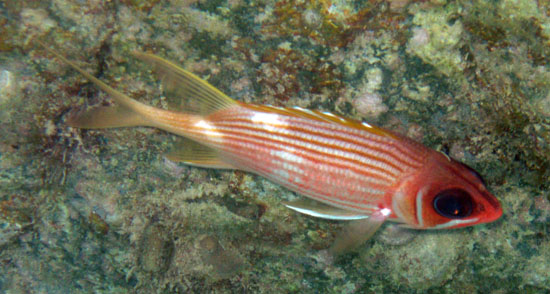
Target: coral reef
(85,211)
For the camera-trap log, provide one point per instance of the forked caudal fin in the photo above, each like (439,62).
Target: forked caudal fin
(184,91)
(125,113)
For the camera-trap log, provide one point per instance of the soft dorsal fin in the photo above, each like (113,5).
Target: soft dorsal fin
(185,91)
(192,153)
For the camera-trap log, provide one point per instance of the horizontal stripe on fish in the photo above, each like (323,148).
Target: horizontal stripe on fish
(319,144)
(383,144)
(322,126)
(366,204)
(335,138)
(330,156)
(327,144)
(362,206)
(312,165)
(249,154)
(296,173)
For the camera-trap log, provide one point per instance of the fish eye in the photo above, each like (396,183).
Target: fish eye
(453,203)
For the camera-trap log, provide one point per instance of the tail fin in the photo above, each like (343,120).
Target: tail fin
(126,112)
(185,91)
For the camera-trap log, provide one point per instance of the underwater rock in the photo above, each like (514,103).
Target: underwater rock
(156,249)
(98,198)
(420,37)
(427,262)
(225,263)
(38,19)
(7,85)
(392,234)
(543,106)
(370,105)
(537,271)
(16,215)
(437,40)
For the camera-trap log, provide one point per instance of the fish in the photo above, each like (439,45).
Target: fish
(346,169)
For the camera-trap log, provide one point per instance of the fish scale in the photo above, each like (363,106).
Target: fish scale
(328,189)
(344,135)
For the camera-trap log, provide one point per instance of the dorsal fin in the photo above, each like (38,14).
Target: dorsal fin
(326,117)
(185,91)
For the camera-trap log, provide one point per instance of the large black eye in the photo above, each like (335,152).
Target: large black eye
(453,203)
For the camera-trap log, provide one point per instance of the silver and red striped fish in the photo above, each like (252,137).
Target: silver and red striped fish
(355,171)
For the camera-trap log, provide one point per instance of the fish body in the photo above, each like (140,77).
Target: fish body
(339,162)
(352,170)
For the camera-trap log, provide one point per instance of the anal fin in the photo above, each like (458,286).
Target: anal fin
(195,154)
(321,210)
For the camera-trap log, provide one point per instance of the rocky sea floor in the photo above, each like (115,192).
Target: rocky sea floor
(104,211)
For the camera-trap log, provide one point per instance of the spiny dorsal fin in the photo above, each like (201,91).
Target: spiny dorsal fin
(331,117)
(192,153)
(185,91)
(326,117)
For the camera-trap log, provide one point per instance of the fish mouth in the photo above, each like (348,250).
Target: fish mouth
(493,209)
(496,214)
(493,212)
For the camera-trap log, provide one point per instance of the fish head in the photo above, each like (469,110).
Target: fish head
(445,194)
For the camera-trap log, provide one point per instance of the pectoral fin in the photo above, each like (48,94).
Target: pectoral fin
(356,233)
(318,209)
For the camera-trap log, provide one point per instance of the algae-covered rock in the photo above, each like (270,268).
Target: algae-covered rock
(430,260)
(156,249)
(104,211)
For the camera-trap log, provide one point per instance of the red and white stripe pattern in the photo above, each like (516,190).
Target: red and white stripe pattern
(330,159)
(363,169)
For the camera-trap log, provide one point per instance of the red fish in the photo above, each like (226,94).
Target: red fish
(353,170)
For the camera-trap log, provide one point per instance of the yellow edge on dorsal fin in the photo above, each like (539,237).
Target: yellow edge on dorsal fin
(185,91)
(192,153)
(324,116)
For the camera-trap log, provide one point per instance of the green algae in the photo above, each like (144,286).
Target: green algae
(104,211)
